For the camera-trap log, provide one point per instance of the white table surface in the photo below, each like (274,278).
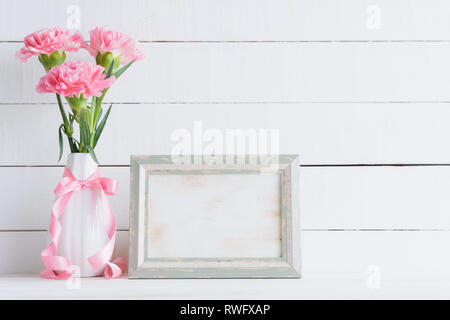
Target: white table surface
(33,287)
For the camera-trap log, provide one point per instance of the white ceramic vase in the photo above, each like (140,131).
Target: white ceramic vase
(83,232)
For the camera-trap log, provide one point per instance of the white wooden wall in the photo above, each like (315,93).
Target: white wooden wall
(367,110)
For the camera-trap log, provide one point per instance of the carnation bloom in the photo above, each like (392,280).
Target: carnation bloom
(120,45)
(47,41)
(75,79)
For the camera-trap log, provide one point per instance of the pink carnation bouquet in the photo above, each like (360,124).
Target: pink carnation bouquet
(79,81)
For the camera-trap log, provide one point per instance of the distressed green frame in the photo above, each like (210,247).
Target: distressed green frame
(287,266)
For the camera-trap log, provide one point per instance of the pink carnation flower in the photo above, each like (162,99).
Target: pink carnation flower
(115,42)
(74,78)
(49,40)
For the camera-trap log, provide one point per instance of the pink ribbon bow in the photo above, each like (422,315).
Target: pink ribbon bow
(58,267)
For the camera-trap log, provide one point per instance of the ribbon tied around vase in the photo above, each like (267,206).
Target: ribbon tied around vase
(58,267)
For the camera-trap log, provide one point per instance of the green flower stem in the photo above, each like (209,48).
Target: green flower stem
(96,107)
(67,125)
(63,112)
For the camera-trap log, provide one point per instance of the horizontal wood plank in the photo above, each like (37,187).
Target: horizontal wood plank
(330,198)
(375,198)
(260,72)
(320,133)
(236,20)
(27,196)
(374,262)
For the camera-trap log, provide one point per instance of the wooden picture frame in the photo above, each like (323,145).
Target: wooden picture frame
(150,204)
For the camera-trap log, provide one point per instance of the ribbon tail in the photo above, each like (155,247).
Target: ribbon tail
(50,274)
(102,257)
(116,268)
(51,261)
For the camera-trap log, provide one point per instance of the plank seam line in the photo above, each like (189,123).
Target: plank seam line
(37,230)
(302,229)
(245,102)
(277,41)
(302,165)
(377,230)
(377,165)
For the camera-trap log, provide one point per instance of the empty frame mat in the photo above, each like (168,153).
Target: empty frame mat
(213,215)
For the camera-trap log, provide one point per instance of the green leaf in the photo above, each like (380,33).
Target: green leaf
(101,125)
(92,153)
(98,118)
(86,128)
(110,69)
(119,72)
(97,110)
(61,127)
(94,107)
(73,145)
(76,142)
